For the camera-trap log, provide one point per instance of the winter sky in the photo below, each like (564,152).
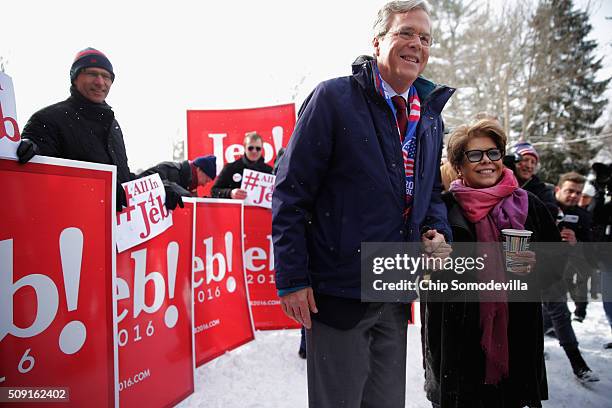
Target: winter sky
(170,56)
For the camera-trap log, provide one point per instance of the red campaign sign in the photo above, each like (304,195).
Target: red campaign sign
(259,264)
(221,132)
(155,317)
(57,278)
(222,317)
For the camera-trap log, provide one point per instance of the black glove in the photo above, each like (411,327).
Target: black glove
(26,150)
(174,194)
(120,200)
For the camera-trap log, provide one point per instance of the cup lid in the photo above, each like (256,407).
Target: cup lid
(516,232)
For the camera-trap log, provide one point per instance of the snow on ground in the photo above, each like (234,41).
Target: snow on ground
(267,373)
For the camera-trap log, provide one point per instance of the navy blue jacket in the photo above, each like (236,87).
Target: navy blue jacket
(341,182)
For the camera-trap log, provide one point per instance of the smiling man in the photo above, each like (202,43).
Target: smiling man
(361,166)
(83,127)
(525,171)
(229,180)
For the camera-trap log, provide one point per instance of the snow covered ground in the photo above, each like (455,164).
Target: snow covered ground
(267,373)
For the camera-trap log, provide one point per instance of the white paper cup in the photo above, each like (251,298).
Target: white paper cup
(515,240)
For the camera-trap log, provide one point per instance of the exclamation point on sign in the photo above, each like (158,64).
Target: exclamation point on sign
(230,283)
(73,335)
(171,316)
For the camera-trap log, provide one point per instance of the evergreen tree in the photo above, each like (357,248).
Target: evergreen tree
(563,99)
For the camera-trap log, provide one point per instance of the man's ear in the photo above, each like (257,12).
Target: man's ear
(376,45)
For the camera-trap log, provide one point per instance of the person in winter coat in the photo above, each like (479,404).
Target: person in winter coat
(229,180)
(83,127)
(188,174)
(362,165)
(525,172)
(482,354)
(575,227)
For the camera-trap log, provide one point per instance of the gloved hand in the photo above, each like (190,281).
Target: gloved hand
(174,194)
(120,200)
(26,150)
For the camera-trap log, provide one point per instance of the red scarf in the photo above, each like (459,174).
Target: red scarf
(492,209)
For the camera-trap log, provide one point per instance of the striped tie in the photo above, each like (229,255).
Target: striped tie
(401,116)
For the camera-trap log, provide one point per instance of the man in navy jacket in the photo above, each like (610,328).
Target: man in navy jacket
(360,167)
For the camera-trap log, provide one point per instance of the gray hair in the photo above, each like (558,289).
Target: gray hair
(386,13)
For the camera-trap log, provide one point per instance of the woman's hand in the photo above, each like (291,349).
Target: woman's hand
(523,262)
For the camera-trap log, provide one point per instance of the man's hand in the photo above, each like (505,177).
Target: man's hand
(238,194)
(435,246)
(298,305)
(569,236)
(174,194)
(26,150)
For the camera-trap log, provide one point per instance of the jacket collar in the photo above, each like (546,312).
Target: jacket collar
(251,163)
(77,98)
(430,94)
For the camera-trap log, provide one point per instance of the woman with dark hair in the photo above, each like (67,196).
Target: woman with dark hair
(481,353)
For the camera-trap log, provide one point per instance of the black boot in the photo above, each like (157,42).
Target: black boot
(581,370)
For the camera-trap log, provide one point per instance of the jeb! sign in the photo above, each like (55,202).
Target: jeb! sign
(221,132)
(57,315)
(145,216)
(221,312)
(9,131)
(259,264)
(155,318)
(259,187)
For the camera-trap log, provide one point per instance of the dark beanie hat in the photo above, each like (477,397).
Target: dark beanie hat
(90,57)
(208,164)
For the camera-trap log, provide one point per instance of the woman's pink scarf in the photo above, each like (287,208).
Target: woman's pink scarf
(492,209)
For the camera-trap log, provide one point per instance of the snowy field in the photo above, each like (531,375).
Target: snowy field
(267,373)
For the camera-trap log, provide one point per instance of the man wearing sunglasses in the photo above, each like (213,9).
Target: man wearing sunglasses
(229,180)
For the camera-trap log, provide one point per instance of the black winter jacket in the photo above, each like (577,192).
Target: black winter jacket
(177,172)
(79,129)
(543,192)
(452,355)
(231,175)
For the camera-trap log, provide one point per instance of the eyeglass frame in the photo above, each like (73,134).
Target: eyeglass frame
(106,77)
(482,154)
(251,148)
(408,34)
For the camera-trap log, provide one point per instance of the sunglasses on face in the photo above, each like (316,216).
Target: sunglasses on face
(257,148)
(474,156)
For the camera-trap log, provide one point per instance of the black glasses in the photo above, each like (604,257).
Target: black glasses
(474,156)
(251,148)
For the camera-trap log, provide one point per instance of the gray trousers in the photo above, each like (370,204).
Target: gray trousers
(361,367)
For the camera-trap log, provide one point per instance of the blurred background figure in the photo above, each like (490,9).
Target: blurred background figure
(188,174)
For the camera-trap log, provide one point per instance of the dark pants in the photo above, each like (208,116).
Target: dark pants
(303,339)
(558,316)
(577,275)
(361,367)
(606,291)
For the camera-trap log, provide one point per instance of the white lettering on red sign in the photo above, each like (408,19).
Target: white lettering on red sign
(73,334)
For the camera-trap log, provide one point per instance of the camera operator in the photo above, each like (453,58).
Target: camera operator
(524,162)
(602,232)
